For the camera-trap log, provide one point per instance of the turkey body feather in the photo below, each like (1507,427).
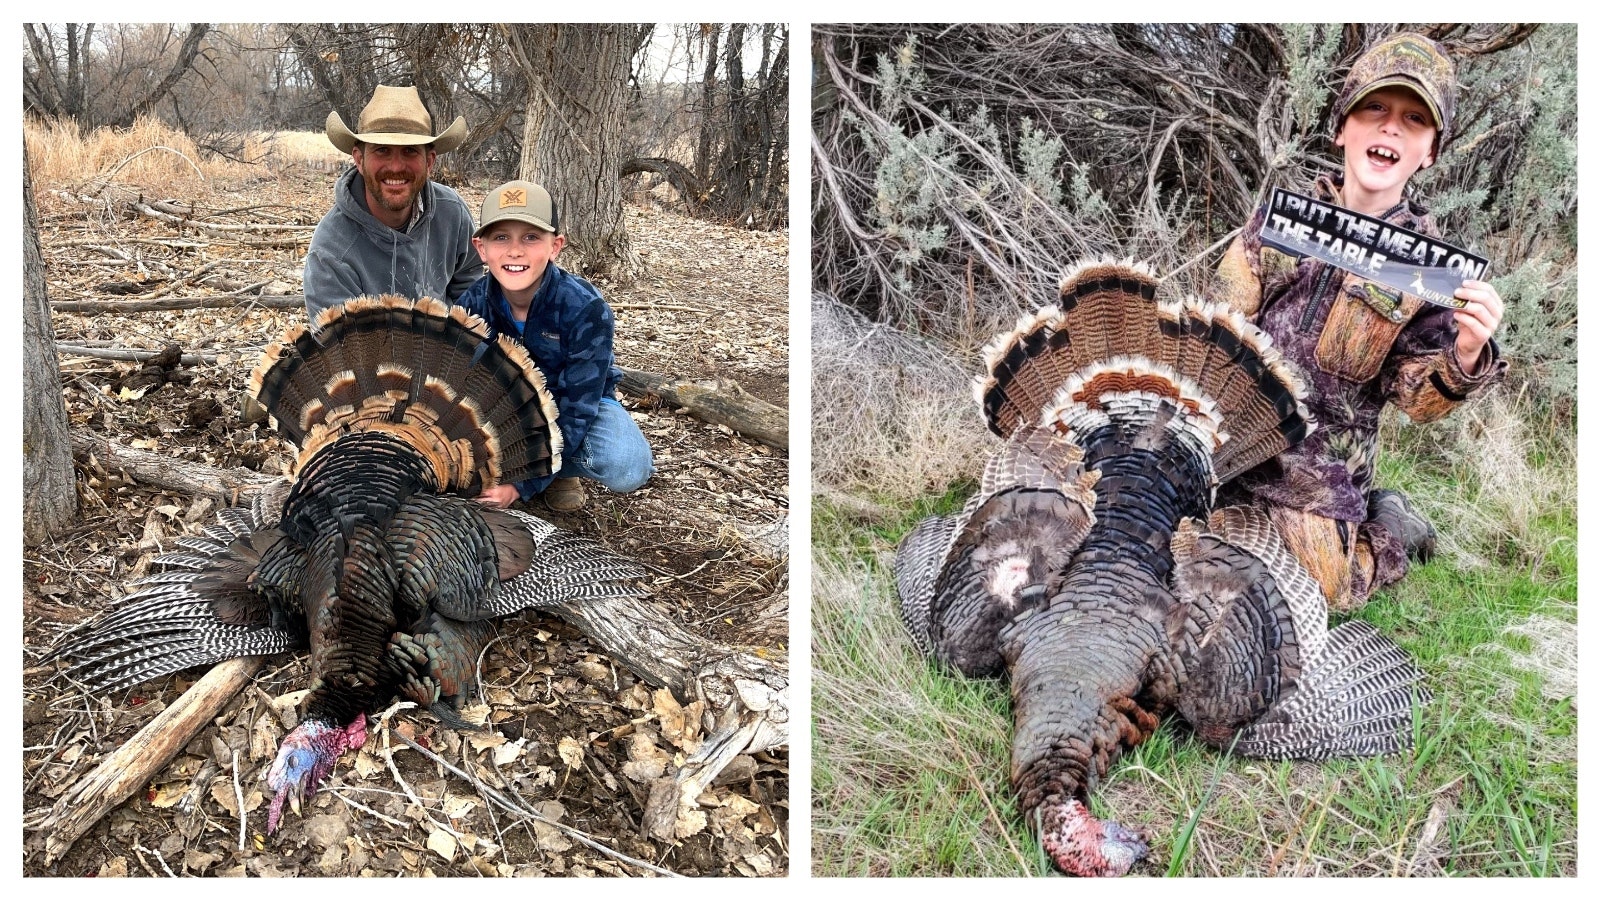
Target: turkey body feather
(1091,571)
(374,561)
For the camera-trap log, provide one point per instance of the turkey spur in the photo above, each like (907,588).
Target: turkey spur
(378,561)
(1091,570)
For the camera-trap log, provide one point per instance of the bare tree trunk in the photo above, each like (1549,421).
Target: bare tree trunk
(578,82)
(49,494)
(708,106)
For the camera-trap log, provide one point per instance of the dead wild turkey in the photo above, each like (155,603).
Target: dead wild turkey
(1091,570)
(378,561)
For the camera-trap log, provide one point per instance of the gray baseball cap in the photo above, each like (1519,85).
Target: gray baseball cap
(519,201)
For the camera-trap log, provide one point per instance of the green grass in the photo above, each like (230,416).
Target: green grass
(910,762)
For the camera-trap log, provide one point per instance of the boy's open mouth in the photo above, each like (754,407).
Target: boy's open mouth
(1383,156)
(515,269)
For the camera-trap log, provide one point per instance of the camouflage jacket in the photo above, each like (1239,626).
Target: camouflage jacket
(569,334)
(1360,346)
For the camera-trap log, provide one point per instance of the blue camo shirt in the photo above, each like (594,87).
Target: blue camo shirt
(569,334)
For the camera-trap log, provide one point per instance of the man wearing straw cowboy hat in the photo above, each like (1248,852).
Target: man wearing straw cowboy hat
(391,229)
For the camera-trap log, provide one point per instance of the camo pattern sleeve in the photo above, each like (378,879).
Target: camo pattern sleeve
(1423,376)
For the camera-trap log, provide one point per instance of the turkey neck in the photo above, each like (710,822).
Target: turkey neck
(339,511)
(1091,671)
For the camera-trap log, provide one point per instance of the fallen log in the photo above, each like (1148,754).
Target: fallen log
(720,401)
(746,694)
(133,764)
(123,354)
(171,474)
(167,304)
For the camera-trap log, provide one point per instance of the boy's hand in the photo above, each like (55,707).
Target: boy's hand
(500,496)
(1476,322)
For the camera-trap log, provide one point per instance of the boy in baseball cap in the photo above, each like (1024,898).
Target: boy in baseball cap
(1359,344)
(567,328)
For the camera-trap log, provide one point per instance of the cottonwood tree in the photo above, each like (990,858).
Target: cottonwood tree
(49,493)
(742,152)
(578,78)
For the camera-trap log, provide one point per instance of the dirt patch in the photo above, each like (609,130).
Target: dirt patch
(571,736)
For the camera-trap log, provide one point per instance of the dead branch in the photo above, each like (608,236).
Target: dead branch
(165,304)
(720,401)
(124,354)
(145,754)
(675,174)
(243,234)
(170,474)
(184,217)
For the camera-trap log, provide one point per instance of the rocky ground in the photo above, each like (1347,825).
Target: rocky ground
(573,738)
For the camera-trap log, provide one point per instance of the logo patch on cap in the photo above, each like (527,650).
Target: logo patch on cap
(513,197)
(1424,55)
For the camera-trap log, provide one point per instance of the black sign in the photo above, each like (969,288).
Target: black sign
(1372,248)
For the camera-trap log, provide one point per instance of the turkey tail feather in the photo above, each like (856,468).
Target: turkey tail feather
(199,610)
(477,410)
(1111,344)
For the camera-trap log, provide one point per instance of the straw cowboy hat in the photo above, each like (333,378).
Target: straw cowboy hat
(395,116)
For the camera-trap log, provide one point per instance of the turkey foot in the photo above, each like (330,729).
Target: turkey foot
(1082,845)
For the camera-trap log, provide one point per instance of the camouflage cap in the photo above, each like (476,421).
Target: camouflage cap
(1407,60)
(519,201)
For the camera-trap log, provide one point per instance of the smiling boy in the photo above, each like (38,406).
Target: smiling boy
(1361,345)
(567,328)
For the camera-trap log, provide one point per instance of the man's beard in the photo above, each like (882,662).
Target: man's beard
(374,186)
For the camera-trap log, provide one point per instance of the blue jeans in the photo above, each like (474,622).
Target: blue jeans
(614,452)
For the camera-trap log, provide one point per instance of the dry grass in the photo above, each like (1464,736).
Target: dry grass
(149,155)
(1498,480)
(159,160)
(904,781)
(290,149)
(894,417)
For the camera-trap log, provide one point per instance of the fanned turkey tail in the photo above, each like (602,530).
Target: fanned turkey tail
(422,374)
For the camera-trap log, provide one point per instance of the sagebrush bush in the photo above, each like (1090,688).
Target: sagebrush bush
(892,415)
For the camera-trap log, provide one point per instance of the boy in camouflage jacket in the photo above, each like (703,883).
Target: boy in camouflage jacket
(1362,345)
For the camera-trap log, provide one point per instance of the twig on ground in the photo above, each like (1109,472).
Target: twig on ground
(388,757)
(338,793)
(159,858)
(238,797)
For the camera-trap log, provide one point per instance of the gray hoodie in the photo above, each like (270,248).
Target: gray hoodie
(352,253)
